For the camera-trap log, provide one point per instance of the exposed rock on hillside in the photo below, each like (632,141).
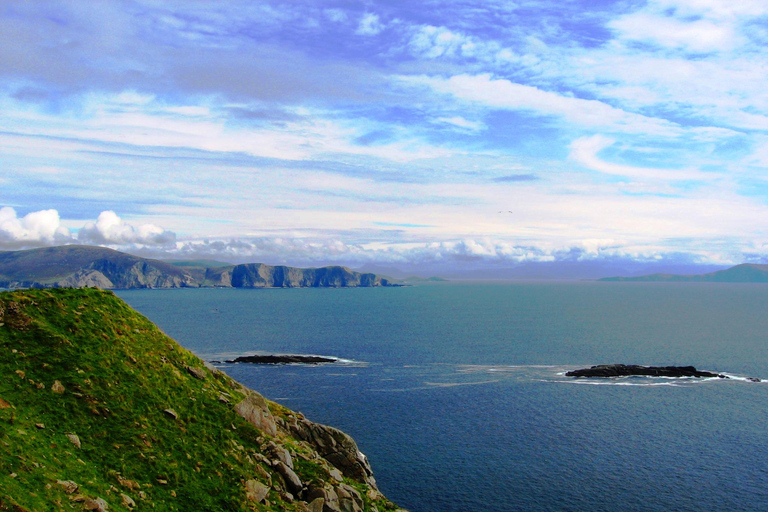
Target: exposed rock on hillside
(138,422)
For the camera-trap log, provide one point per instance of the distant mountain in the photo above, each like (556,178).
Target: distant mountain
(744,273)
(198,263)
(80,266)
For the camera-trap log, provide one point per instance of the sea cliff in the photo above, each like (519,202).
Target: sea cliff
(79,266)
(99,410)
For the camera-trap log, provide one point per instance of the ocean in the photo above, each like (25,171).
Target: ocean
(456,391)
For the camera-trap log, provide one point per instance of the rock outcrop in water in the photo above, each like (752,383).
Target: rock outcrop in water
(79,266)
(623,370)
(281,359)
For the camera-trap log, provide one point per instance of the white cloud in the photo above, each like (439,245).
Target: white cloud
(696,36)
(432,42)
(462,123)
(504,94)
(584,151)
(111,229)
(33,230)
(370,25)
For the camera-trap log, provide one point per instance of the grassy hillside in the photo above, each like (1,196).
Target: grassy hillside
(97,404)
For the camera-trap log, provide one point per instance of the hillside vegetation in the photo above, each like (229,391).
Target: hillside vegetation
(99,410)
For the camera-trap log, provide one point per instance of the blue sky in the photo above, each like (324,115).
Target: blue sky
(408,134)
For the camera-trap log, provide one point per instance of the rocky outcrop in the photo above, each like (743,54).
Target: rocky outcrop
(623,370)
(335,446)
(282,359)
(255,410)
(259,275)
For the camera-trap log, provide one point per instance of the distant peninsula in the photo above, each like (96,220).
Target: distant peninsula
(81,266)
(744,273)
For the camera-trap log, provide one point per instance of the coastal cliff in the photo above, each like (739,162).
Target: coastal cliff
(79,266)
(99,410)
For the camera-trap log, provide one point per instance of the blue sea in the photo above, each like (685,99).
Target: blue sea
(455,391)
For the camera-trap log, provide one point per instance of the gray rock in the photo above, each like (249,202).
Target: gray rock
(280,454)
(127,501)
(75,440)
(329,496)
(255,410)
(336,447)
(255,490)
(197,373)
(97,504)
(292,481)
(69,486)
(171,414)
(316,505)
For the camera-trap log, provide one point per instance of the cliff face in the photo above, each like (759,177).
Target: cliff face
(100,410)
(258,275)
(83,266)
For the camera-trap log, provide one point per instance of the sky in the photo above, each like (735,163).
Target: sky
(426,135)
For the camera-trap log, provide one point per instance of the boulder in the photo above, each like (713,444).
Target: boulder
(69,486)
(75,440)
(127,501)
(255,490)
(255,410)
(97,504)
(197,373)
(292,481)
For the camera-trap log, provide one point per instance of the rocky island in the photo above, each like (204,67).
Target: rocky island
(624,370)
(101,411)
(282,359)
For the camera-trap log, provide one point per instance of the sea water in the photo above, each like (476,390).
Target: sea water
(456,391)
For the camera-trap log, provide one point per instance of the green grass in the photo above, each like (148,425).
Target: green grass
(119,373)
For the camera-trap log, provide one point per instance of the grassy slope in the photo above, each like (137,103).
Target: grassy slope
(119,374)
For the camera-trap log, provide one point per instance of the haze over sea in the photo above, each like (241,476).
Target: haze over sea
(455,391)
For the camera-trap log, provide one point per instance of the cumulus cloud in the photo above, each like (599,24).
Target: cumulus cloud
(109,229)
(35,229)
(370,25)
(696,36)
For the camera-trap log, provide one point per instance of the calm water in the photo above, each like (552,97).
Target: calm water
(456,394)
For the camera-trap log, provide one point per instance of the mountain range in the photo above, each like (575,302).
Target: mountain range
(80,266)
(744,273)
